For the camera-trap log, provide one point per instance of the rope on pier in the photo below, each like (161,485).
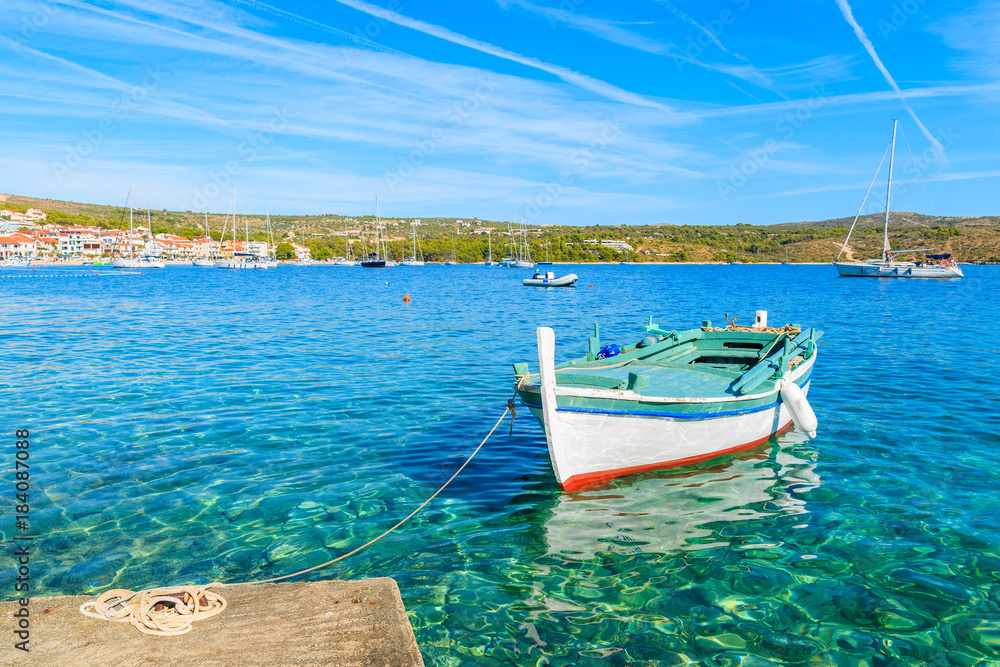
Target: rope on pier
(161,612)
(167,612)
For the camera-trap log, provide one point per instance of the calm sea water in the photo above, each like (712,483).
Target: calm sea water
(194,425)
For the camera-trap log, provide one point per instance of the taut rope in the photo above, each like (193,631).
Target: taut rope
(167,612)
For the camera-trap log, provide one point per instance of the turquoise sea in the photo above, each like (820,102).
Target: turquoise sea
(195,425)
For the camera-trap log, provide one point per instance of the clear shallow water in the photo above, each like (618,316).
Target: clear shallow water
(196,425)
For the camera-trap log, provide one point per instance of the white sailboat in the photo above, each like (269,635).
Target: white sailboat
(345,261)
(133,261)
(489,260)
(417,252)
(523,259)
(240,260)
(935,266)
(452,261)
(207,260)
(270,259)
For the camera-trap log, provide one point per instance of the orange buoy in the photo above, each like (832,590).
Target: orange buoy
(591,287)
(406,298)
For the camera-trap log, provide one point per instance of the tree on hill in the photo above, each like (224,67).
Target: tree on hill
(285,251)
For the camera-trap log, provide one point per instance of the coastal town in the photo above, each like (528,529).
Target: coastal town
(27,235)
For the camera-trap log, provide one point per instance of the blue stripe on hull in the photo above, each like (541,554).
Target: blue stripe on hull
(672,415)
(652,413)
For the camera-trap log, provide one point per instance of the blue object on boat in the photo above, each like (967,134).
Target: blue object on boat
(943,256)
(610,350)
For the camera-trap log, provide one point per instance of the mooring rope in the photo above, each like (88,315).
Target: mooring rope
(168,612)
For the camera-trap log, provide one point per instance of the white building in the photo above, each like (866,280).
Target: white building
(17,245)
(75,243)
(609,243)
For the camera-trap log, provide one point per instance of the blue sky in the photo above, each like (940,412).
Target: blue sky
(564,111)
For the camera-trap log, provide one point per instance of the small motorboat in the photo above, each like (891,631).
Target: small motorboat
(671,399)
(548,279)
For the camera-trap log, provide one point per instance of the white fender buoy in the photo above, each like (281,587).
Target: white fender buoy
(798,408)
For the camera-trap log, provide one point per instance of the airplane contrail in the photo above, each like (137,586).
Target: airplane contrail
(845,9)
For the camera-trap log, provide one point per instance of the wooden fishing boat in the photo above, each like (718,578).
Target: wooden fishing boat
(673,398)
(548,279)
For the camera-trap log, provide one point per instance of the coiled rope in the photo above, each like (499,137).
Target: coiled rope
(171,611)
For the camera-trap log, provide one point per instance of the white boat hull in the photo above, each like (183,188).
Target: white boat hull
(207,263)
(411,262)
(594,448)
(896,270)
(236,264)
(564,281)
(140,263)
(589,446)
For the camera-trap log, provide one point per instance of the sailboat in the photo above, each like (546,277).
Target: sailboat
(132,261)
(508,262)
(206,261)
(270,260)
(523,258)
(935,266)
(489,260)
(377,260)
(240,260)
(346,260)
(546,262)
(413,259)
(452,261)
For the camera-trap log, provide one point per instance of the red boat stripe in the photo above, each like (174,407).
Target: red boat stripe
(592,480)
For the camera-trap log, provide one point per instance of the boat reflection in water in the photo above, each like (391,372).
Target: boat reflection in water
(610,552)
(682,510)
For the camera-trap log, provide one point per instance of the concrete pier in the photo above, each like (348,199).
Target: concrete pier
(341,623)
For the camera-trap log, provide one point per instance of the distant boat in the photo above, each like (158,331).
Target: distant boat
(270,260)
(377,260)
(348,260)
(239,260)
(452,261)
(489,260)
(207,260)
(417,252)
(673,398)
(518,258)
(933,266)
(133,261)
(546,262)
(548,279)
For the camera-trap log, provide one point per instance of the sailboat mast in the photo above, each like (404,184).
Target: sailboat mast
(149,223)
(888,191)
(131,243)
(234,222)
(378,231)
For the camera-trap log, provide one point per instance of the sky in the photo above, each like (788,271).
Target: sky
(552,111)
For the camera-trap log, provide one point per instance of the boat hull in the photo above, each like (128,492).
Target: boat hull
(137,264)
(234,264)
(594,447)
(860,270)
(374,264)
(564,281)
(206,263)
